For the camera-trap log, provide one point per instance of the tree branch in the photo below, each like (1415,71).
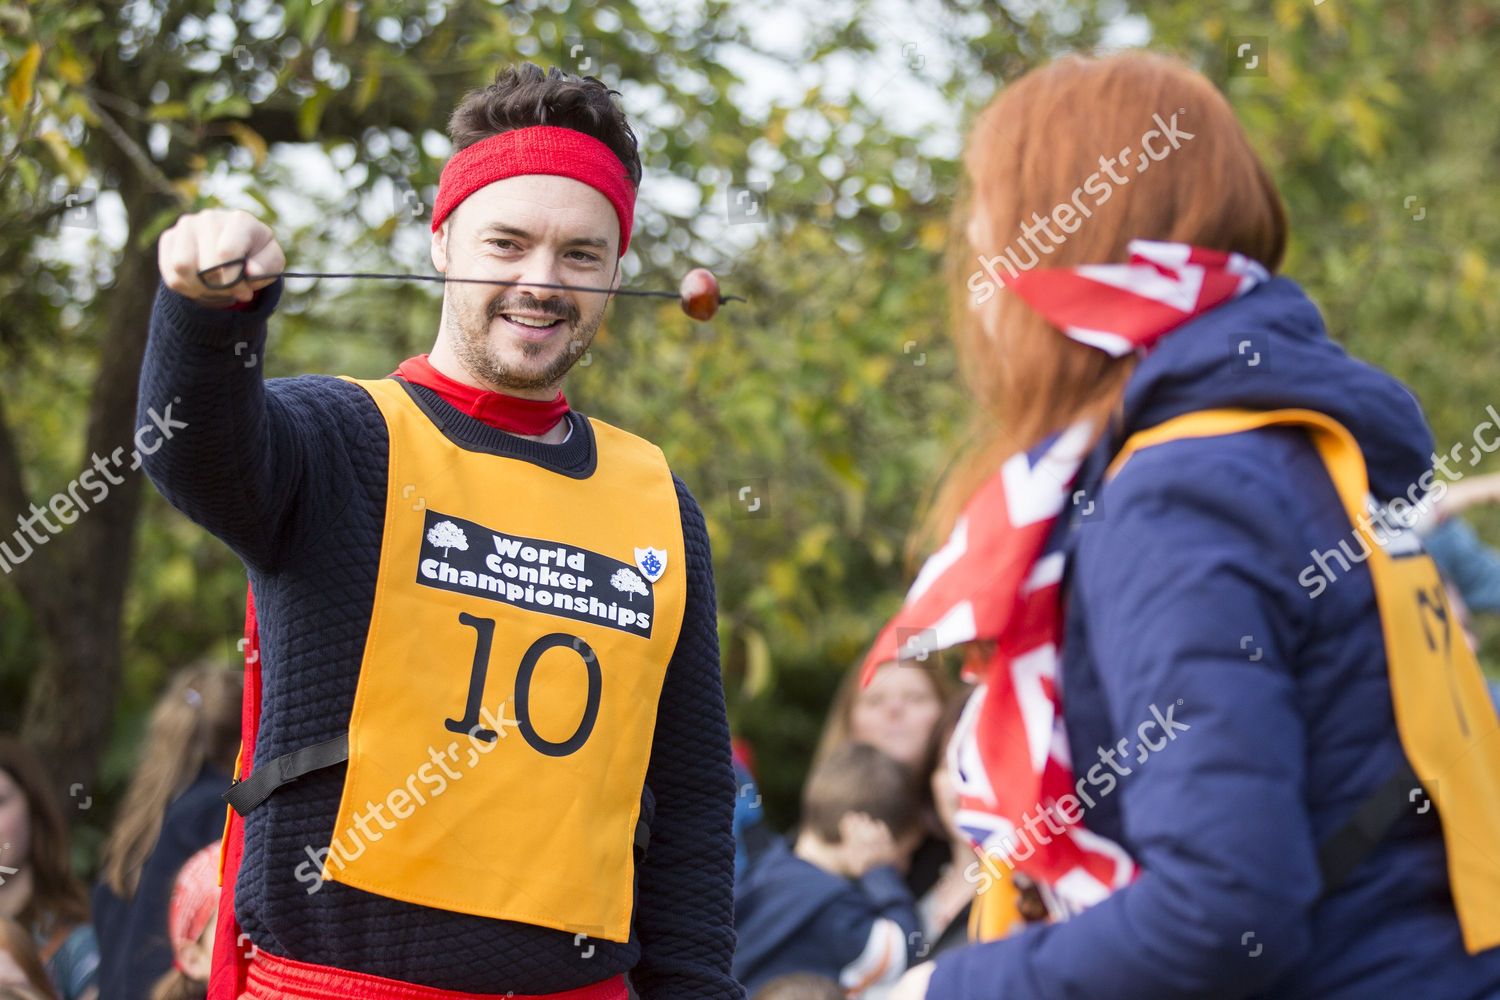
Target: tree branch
(132,150)
(135,111)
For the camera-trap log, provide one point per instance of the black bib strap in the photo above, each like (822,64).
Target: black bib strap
(1351,845)
(245,795)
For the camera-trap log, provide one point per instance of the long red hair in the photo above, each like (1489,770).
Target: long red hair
(1035,146)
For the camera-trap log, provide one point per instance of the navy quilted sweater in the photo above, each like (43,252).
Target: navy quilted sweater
(291,474)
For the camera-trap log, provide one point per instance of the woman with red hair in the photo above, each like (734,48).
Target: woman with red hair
(1218,691)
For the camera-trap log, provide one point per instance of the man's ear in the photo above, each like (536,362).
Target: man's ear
(440,247)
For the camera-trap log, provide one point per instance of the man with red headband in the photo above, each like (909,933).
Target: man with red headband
(485,745)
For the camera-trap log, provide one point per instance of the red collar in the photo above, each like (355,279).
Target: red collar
(498,409)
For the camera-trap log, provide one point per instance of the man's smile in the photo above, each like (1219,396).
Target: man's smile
(530,326)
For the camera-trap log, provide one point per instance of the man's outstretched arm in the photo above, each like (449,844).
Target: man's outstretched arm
(685,911)
(241,461)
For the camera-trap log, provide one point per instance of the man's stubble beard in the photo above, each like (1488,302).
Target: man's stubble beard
(470,334)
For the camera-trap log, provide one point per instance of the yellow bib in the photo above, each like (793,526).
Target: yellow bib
(1443,712)
(522,626)
(996,912)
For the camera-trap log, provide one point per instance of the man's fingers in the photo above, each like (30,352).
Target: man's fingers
(170,260)
(245,237)
(177,254)
(227,236)
(214,256)
(183,258)
(225,240)
(269,259)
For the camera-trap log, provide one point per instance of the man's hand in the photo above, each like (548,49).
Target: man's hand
(913,985)
(867,843)
(203,239)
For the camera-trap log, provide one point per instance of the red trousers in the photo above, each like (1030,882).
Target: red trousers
(273,978)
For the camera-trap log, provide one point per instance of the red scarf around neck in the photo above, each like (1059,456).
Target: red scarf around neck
(498,409)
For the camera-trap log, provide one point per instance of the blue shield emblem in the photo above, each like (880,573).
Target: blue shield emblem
(651,562)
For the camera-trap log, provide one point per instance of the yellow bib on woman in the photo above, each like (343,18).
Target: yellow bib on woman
(1443,710)
(1444,716)
(522,626)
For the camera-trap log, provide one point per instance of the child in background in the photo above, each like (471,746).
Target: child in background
(834,903)
(190,924)
(172,808)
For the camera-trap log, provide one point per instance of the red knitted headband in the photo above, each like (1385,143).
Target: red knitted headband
(537,149)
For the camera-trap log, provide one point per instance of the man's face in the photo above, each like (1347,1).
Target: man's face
(534,228)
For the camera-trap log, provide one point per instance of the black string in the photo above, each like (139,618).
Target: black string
(240,276)
(480,281)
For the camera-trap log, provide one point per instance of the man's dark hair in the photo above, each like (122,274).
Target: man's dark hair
(859,778)
(527,95)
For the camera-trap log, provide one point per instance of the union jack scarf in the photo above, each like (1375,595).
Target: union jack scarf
(997,578)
